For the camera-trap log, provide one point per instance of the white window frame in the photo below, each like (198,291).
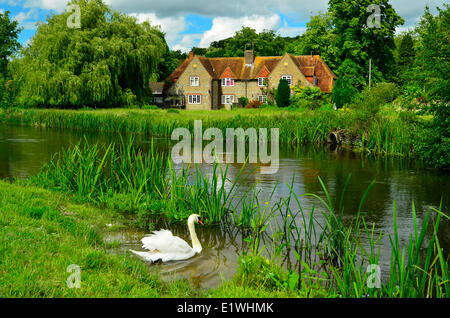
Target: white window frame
(194,99)
(262,98)
(261,81)
(227,81)
(196,80)
(230,101)
(288,78)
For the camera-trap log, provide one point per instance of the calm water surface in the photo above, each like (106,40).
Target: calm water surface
(23,151)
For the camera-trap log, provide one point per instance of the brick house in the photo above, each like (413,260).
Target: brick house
(214,83)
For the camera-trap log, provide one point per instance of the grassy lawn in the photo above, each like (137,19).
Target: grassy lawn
(43,232)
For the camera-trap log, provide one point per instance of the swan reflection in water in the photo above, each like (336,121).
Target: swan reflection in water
(218,261)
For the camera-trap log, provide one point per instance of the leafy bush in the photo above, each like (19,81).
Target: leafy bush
(368,103)
(7,90)
(433,143)
(343,91)
(283,94)
(306,96)
(254,104)
(243,101)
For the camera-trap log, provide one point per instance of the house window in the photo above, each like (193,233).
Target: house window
(261,81)
(227,82)
(288,78)
(227,99)
(195,81)
(262,98)
(194,99)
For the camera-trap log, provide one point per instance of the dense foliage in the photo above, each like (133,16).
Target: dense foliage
(283,94)
(319,38)
(265,43)
(343,91)
(306,97)
(106,62)
(358,43)
(9,32)
(432,69)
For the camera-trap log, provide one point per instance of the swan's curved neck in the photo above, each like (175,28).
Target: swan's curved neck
(196,246)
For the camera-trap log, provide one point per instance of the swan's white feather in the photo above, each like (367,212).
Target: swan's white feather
(164,246)
(164,242)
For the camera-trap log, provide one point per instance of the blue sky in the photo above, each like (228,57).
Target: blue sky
(198,23)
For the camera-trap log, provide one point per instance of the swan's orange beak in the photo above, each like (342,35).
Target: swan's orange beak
(200,221)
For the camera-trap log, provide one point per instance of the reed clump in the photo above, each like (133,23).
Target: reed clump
(386,134)
(320,248)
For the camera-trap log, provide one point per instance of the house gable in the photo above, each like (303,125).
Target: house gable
(227,73)
(287,66)
(264,72)
(182,86)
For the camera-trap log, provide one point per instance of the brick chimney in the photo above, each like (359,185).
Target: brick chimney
(249,57)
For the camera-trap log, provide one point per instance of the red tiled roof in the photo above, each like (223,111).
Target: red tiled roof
(235,67)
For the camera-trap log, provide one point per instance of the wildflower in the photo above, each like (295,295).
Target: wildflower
(267,203)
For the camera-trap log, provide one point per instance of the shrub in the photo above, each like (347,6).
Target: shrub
(306,96)
(283,94)
(343,91)
(6,93)
(243,101)
(368,103)
(254,104)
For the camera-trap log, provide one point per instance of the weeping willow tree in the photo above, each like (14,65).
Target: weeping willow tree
(106,62)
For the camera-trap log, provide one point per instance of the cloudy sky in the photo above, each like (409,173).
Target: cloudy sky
(199,22)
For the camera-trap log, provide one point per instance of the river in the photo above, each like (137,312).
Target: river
(23,151)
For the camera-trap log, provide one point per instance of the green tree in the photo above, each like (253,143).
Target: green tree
(107,62)
(406,54)
(343,91)
(9,32)
(265,43)
(319,38)
(283,94)
(431,72)
(358,43)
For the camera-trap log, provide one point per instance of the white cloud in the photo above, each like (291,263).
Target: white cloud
(227,16)
(56,5)
(224,27)
(187,42)
(27,19)
(291,31)
(172,26)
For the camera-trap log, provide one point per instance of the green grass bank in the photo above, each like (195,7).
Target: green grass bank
(42,232)
(389,132)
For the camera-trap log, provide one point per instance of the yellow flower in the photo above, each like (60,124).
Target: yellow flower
(289,215)
(267,203)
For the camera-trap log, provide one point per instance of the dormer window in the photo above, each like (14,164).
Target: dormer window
(261,81)
(227,82)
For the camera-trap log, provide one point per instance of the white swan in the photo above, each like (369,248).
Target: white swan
(162,245)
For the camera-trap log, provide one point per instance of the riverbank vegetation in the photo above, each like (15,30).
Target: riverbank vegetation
(42,233)
(313,253)
(403,110)
(390,132)
(60,216)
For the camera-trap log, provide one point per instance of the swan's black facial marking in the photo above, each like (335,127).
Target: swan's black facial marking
(199,219)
